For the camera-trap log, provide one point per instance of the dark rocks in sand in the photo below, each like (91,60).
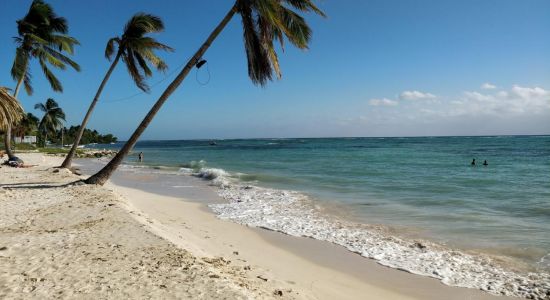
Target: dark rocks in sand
(278,293)
(75,171)
(3,248)
(419,245)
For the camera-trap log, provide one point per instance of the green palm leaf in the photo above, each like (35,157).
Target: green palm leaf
(137,50)
(10,110)
(43,36)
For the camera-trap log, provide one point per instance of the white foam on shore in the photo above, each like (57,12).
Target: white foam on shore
(294,214)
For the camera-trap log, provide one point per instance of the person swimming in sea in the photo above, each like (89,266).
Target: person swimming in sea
(485,163)
(473,162)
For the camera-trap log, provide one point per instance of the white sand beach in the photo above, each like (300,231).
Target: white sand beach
(81,241)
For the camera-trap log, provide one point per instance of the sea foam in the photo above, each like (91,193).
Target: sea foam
(293,213)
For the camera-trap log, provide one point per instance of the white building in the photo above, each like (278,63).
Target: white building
(28,139)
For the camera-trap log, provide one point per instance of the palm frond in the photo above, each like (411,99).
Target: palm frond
(42,35)
(54,82)
(138,79)
(41,107)
(305,6)
(63,58)
(41,53)
(110,48)
(143,64)
(149,56)
(142,23)
(20,64)
(259,67)
(137,50)
(27,83)
(64,42)
(266,22)
(11,111)
(295,28)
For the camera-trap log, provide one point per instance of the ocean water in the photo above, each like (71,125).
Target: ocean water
(411,203)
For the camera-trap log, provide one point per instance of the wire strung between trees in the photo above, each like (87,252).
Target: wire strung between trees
(161,81)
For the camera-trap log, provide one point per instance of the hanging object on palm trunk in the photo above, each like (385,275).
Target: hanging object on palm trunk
(206,78)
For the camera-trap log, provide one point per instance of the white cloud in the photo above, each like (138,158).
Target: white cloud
(515,110)
(383,102)
(529,93)
(517,101)
(416,95)
(488,86)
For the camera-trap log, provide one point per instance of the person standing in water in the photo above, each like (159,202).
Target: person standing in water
(140,157)
(485,163)
(473,162)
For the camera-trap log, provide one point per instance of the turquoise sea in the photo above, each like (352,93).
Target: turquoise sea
(424,186)
(419,187)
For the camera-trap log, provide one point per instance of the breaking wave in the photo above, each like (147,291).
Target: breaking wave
(295,214)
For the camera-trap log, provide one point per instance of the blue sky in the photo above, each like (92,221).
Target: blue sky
(374,68)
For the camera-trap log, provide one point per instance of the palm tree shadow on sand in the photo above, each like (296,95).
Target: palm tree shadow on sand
(40,185)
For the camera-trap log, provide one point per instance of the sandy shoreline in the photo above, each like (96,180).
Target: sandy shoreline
(115,241)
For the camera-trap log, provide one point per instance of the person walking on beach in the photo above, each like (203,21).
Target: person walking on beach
(140,157)
(473,162)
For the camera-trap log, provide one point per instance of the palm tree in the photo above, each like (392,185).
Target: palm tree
(27,125)
(53,117)
(41,35)
(264,22)
(10,110)
(136,51)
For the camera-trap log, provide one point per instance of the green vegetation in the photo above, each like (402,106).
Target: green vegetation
(49,150)
(42,35)
(88,136)
(53,119)
(25,147)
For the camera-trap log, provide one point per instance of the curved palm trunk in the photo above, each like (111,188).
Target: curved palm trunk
(104,174)
(7,141)
(69,158)
(7,134)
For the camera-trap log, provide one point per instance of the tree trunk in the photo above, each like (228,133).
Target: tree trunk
(69,158)
(7,141)
(7,134)
(104,174)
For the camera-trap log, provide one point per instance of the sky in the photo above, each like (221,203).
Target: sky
(373,68)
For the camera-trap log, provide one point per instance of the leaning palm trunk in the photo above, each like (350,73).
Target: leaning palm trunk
(68,160)
(7,142)
(104,174)
(7,134)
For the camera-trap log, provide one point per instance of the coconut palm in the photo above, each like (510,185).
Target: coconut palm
(53,117)
(264,22)
(42,35)
(27,125)
(10,110)
(136,51)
